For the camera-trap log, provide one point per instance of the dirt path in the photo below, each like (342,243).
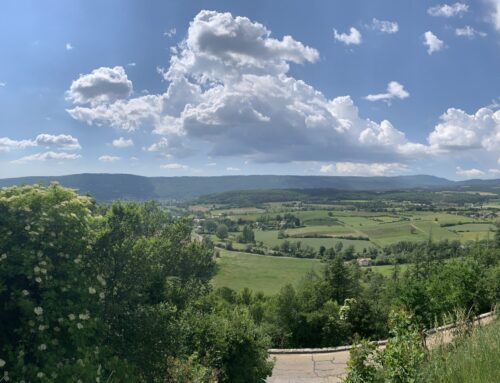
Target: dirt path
(329,365)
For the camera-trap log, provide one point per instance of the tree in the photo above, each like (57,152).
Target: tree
(247,235)
(145,279)
(322,250)
(210,226)
(229,341)
(222,231)
(339,282)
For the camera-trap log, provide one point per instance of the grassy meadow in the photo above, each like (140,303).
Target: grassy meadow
(269,274)
(261,272)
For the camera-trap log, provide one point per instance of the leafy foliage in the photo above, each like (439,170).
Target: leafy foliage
(113,293)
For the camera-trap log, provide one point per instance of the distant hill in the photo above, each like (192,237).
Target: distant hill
(106,187)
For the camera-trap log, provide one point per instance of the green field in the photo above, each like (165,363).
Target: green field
(260,272)
(269,274)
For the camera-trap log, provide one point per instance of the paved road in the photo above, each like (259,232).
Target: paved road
(329,367)
(314,368)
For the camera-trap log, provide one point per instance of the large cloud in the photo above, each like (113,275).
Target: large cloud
(230,94)
(459,131)
(229,88)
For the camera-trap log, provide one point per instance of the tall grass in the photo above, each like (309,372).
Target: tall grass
(470,359)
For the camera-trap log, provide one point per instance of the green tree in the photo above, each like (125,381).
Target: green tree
(339,282)
(222,231)
(247,235)
(210,226)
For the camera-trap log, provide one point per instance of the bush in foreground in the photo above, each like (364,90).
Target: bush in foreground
(112,294)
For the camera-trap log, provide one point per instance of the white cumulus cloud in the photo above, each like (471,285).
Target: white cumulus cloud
(448,10)
(123,143)
(459,131)
(394,90)
(351,38)
(61,141)
(433,43)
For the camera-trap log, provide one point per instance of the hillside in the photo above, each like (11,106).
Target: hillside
(106,187)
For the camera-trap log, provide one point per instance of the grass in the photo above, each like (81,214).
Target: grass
(473,360)
(260,272)
(267,273)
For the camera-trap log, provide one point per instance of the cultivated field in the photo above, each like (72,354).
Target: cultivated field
(293,236)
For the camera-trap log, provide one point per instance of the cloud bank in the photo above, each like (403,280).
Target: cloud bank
(229,93)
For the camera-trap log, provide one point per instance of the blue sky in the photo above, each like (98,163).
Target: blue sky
(261,87)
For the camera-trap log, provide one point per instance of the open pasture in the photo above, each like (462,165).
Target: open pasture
(269,274)
(260,272)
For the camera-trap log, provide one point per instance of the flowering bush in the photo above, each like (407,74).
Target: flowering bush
(47,303)
(99,294)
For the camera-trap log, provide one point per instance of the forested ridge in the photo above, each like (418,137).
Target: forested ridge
(108,187)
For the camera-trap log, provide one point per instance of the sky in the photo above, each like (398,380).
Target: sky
(199,88)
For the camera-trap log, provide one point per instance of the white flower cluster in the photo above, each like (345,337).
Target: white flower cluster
(101,280)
